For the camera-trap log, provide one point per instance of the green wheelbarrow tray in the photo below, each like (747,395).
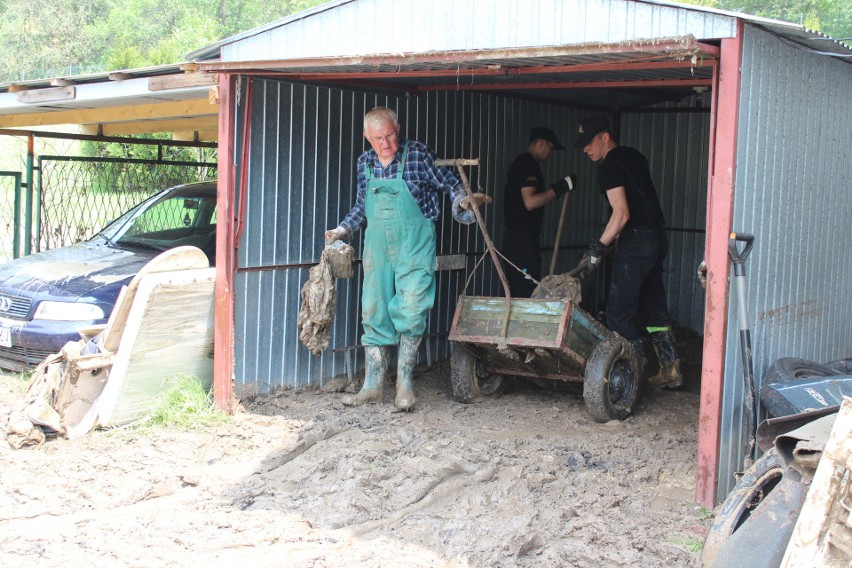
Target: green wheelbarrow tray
(545,338)
(549,339)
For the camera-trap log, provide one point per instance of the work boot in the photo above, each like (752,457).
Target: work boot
(641,361)
(374,376)
(406,360)
(669,375)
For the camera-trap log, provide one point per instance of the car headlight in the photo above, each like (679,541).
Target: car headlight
(68,311)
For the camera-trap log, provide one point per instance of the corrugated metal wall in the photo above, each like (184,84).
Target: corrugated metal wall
(304,144)
(792,191)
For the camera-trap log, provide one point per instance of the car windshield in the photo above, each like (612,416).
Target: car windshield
(171,219)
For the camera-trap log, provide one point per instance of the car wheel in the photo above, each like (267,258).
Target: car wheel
(780,376)
(470,379)
(747,494)
(789,369)
(612,383)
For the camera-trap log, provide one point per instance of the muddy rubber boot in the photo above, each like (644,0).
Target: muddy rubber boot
(669,375)
(639,351)
(406,360)
(374,376)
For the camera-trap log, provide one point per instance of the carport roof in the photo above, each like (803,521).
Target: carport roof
(601,58)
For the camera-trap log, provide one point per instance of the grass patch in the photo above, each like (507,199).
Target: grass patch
(185,406)
(690,544)
(22,381)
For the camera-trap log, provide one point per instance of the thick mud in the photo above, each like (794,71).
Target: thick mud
(298,479)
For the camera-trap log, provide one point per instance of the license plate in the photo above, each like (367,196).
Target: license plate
(5,337)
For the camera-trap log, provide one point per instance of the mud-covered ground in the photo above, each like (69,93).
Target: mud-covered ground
(297,479)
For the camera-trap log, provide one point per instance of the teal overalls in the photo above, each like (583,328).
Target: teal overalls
(399,261)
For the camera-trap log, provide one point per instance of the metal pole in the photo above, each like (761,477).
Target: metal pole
(28,197)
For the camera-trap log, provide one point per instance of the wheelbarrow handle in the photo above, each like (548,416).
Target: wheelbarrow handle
(737,256)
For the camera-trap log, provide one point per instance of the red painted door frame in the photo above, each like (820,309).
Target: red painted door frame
(720,206)
(223,304)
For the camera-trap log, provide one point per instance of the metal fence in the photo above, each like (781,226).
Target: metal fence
(10,215)
(77,196)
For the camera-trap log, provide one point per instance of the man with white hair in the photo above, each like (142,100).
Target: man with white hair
(398,186)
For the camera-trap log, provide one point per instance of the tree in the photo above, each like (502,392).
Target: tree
(49,38)
(831,17)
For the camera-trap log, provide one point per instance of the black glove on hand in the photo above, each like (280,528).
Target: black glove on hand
(593,254)
(564,185)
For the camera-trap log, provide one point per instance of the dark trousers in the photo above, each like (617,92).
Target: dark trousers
(521,247)
(637,297)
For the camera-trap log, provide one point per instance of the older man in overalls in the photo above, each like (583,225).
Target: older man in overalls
(398,199)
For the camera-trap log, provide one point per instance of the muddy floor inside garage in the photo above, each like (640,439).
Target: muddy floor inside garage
(297,479)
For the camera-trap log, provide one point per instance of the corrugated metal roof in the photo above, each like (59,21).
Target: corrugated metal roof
(332,28)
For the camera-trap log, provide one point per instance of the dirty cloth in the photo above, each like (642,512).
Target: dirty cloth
(316,313)
(22,429)
(559,287)
(51,392)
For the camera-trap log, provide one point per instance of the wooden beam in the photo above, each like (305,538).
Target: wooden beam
(196,136)
(47,95)
(166,82)
(205,123)
(176,109)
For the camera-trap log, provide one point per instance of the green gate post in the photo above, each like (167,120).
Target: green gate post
(28,220)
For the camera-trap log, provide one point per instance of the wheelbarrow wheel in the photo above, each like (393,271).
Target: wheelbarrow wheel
(611,386)
(471,381)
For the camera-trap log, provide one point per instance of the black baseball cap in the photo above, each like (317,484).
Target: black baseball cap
(544,133)
(590,127)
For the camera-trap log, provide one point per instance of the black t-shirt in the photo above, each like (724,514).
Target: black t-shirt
(523,172)
(627,167)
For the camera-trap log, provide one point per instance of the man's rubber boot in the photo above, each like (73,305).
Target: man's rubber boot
(669,375)
(639,351)
(406,360)
(374,376)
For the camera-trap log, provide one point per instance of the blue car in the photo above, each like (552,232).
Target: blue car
(47,297)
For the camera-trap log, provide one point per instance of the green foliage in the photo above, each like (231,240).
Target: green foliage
(831,17)
(690,544)
(185,406)
(49,38)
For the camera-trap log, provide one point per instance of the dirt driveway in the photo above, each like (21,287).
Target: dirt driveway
(297,479)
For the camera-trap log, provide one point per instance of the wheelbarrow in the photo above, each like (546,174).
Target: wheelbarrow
(493,337)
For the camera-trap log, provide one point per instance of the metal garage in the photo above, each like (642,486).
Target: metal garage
(706,94)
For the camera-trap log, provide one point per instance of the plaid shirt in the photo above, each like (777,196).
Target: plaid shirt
(422,176)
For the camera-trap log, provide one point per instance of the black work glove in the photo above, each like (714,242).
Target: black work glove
(564,185)
(594,254)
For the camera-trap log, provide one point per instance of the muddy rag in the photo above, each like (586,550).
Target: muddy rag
(316,313)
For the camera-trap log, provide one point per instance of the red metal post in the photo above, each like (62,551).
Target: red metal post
(223,342)
(720,205)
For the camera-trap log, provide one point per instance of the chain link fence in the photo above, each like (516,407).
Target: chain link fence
(10,183)
(78,196)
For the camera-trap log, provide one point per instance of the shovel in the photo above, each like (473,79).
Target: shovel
(738,259)
(560,226)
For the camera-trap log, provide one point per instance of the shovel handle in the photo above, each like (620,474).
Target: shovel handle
(737,256)
(579,269)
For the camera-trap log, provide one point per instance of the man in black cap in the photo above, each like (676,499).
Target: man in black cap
(525,195)
(637,296)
